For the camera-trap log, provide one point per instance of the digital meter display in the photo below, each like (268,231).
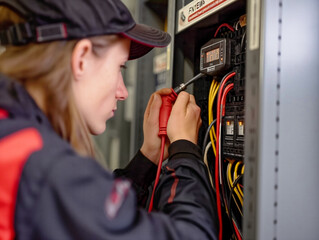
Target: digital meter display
(215,56)
(212,55)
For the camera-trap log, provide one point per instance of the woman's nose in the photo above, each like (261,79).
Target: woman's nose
(121,92)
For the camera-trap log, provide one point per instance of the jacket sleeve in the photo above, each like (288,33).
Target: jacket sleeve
(184,192)
(80,200)
(141,172)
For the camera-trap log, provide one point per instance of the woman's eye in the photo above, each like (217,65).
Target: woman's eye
(123,67)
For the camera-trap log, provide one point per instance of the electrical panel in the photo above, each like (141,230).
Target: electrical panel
(251,145)
(231,124)
(222,59)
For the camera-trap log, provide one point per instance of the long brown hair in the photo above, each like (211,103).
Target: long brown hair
(45,71)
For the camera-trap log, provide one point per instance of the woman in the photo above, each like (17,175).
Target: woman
(60,82)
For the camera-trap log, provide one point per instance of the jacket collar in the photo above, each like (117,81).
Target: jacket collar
(18,102)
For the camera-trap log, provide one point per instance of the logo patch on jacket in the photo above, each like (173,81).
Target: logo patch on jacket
(117,197)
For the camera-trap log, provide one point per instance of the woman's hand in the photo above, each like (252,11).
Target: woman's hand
(185,120)
(151,147)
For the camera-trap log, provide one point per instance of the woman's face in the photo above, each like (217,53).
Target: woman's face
(99,83)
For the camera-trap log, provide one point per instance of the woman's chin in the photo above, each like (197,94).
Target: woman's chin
(98,130)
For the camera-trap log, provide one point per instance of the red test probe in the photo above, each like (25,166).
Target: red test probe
(165,111)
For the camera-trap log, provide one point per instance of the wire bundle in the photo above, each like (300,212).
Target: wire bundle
(235,172)
(233,195)
(211,130)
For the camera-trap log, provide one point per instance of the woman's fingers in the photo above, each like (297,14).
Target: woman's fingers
(185,119)
(163,91)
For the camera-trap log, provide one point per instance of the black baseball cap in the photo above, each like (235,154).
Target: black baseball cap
(50,20)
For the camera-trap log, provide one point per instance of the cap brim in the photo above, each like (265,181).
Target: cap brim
(144,39)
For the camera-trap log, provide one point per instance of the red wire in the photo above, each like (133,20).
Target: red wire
(223,25)
(219,210)
(227,89)
(159,167)
(237,232)
(223,102)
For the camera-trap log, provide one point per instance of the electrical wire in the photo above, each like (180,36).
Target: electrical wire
(223,101)
(223,25)
(232,220)
(217,179)
(242,40)
(212,95)
(232,189)
(236,175)
(158,173)
(207,133)
(222,110)
(236,25)
(229,203)
(222,180)
(230,184)
(238,234)
(208,165)
(228,211)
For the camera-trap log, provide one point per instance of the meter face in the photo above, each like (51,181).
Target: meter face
(212,55)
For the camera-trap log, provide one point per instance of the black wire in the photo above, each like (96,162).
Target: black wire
(206,136)
(242,40)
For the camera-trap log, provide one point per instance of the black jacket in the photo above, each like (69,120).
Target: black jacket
(50,192)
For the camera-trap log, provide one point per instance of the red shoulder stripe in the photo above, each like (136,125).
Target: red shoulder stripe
(14,151)
(174,186)
(3,114)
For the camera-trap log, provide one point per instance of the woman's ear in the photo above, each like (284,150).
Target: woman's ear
(81,56)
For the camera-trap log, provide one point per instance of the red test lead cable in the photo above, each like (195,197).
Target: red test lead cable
(219,210)
(165,111)
(158,173)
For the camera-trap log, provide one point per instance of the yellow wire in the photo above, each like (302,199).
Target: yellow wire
(210,119)
(227,210)
(242,172)
(231,183)
(210,100)
(235,177)
(236,191)
(212,94)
